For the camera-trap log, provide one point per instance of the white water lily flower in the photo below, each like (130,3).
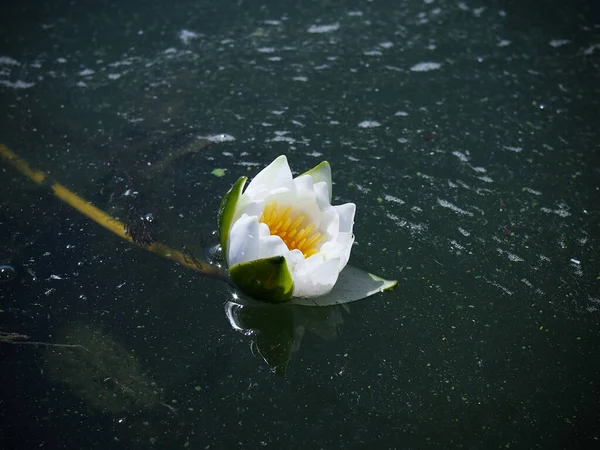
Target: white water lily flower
(281,237)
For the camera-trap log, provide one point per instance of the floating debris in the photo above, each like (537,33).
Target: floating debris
(323,28)
(425,67)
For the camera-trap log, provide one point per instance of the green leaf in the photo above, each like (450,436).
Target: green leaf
(353,284)
(267,279)
(227,211)
(322,172)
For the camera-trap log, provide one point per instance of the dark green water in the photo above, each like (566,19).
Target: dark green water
(467,135)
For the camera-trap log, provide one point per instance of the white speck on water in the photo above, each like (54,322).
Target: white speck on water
(8,61)
(479,169)
(558,42)
(274,58)
(394,68)
(266,50)
(114,76)
(315,154)
(463,6)
(401,114)
(460,156)
(217,138)
(352,158)
(486,179)
(81,84)
(186,36)
(477,12)
(323,28)
(576,264)
(504,43)
(272,22)
(514,257)
(120,63)
(170,50)
(372,53)
(391,198)
(386,44)
(355,13)
(456,245)
(279,112)
(402,140)
(464,232)
(369,124)
(532,191)
(527,282)
(591,49)
(61,60)
(16,84)
(86,72)
(513,149)
(498,285)
(456,209)
(300,78)
(281,138)
(425,67)
(560,212)
(361,188)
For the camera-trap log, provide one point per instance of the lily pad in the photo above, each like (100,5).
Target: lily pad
(353,284)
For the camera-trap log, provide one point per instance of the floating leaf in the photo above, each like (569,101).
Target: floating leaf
(353,284)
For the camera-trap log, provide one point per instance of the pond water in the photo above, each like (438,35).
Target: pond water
(465,132)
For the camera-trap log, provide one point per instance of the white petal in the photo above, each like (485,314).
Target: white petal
(346,212)
(322,194)
(275,175)
(322,172)
(317,278)
(243,240)
(272,246)
(345,240)
(304,185)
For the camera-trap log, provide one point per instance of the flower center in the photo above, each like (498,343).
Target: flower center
(292,228)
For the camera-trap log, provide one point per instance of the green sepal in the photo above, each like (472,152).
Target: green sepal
(322,172)
(227,210)
(267,279)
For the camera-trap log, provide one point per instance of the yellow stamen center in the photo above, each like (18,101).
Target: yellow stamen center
(292,228)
